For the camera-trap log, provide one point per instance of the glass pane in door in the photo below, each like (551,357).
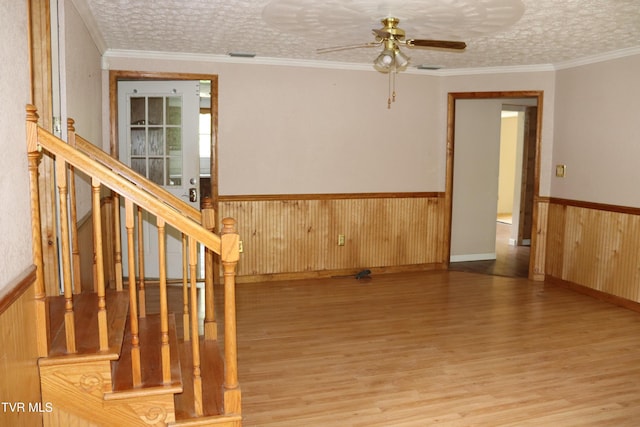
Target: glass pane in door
(156,111)
(138,110)
(156,170)
(174,110)
(156,141)
(156,138)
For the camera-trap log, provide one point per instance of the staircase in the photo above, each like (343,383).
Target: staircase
(115,356)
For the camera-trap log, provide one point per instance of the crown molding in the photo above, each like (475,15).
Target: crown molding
(593,59)
(536,68)
(225,59)
(92,27)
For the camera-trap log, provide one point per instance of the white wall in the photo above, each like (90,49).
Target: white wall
(597,132)
(326,130)
(15,213)
(475,179)
(307,130)
(83,90)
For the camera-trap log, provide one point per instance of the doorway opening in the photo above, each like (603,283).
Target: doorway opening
(170,162)
(491,203)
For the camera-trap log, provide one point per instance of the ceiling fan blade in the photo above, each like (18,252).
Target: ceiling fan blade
(381,33)
(444,44)
(353,46)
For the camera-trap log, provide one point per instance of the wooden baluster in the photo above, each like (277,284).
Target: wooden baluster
(195,335)
(142,301)
(209,222)
(164,312)
(136,371)
(42,317)
(117,242)
(69,322)
(230,254)
(75,247)
(108,248)
(185,290)
(95,244)
(103,333)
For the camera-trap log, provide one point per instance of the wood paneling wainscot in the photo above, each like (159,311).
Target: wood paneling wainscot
(19,381)
(539,239)
(595,248)
(296,236)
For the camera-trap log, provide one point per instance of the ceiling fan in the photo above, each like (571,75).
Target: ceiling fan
(391,38)
(392,59)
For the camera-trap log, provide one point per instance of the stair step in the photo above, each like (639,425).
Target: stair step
(212,372)
(150,361)
(85,308)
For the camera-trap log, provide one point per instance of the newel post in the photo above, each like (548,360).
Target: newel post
(230,254)
(209,222)
(34,156)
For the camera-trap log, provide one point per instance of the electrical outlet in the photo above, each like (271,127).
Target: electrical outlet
(340,239)
(240,247)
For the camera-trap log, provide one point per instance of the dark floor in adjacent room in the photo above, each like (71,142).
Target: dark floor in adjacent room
(512,261)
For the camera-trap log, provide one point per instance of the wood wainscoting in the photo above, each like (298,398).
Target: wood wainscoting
(296,236)
(19,380)
(595,248)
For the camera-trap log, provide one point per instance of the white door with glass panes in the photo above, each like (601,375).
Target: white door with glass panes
(158,138)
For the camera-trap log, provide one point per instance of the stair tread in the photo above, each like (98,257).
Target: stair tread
(212,372)
(150,359)
(85,307)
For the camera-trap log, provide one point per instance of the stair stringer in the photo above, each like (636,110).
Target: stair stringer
(76,391)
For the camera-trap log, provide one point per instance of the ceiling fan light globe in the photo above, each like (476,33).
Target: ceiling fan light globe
(401,59)
(383,61)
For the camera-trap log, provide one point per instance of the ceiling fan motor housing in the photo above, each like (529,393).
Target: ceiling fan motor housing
(391,27)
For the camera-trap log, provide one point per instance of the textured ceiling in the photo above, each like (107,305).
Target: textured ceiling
(498,32)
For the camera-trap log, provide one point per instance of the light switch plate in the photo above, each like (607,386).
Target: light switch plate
(560,170)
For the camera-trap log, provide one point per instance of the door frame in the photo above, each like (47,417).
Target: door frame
(117,75)
(451,117)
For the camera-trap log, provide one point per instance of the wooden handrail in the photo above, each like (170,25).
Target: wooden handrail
(128,189)
(142,182)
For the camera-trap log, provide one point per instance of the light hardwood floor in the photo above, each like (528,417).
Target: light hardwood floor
(435,348)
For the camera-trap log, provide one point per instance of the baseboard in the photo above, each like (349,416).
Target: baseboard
(16,287)
(603,296)
(323,274)
(473,257)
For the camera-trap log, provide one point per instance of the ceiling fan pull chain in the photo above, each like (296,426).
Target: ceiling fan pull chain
(389,98)
(393,98)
